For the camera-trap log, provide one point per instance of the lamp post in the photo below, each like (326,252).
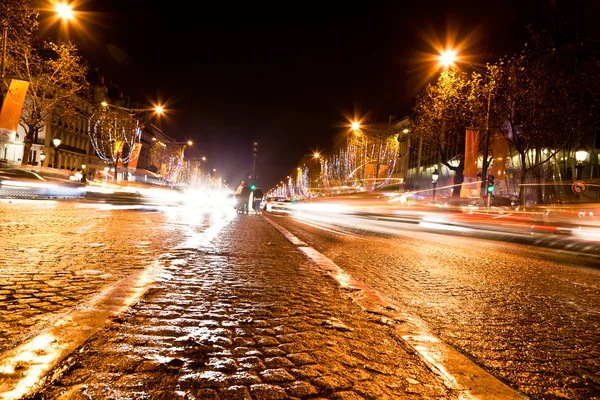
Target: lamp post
(581,154)
(42,158)
(4,44)
(434,177)
(56,142)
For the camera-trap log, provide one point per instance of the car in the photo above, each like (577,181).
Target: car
(23,183)
(277,205)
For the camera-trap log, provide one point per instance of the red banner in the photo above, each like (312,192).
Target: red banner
(500,154)
(470,187)
(135,156)
(11,109)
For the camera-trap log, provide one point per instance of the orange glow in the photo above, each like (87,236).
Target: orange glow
(64,11)
(439,47)
(447,58)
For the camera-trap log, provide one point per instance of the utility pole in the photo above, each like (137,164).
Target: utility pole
(3,67)
(484,166)
(254,155)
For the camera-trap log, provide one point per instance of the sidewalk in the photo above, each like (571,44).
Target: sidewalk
(247,317)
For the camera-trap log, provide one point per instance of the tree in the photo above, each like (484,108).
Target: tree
(444,111)
(19,19)
(168,158)
(538,104)
(114,133)
(56,74)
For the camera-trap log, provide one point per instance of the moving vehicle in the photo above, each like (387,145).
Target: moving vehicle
(277,205)
(22,183)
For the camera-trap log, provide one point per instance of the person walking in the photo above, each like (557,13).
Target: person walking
(244,198)
(258,195)
(240,187)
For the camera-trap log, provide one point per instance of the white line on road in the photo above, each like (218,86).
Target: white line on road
(456,371)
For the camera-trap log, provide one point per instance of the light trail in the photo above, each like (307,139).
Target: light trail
(339,232)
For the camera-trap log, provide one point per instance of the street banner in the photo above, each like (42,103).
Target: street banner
(470,187)
(500,154)
(370,176)
(135,156)
(11,109)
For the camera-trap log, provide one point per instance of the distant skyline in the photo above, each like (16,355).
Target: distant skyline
(286,76)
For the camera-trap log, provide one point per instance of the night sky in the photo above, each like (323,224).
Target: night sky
(287,75)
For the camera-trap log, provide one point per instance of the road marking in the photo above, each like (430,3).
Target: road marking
(22,368)
(339,232)
(456,371)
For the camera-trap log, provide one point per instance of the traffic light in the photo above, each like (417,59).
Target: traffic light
(490,184)
(255,148)
(252,186)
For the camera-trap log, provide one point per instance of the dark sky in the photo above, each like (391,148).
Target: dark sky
(286,74)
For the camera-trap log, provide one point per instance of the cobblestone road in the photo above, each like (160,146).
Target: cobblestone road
(237,313)
(57,254)
(528,315)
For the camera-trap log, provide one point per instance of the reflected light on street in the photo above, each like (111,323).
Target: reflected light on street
(37,357)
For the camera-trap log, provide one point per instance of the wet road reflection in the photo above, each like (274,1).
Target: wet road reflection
(67,267)
(526,314)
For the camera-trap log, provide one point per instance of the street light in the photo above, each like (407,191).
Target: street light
(42,158)
(56,142)
(157,109)
(581,154)
(64,11)
(434,177)
(447,58)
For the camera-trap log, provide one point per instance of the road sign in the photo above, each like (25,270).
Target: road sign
(579,187)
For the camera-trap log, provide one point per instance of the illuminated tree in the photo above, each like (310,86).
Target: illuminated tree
(114,133)
(365,158)
(168,159)
(445,110)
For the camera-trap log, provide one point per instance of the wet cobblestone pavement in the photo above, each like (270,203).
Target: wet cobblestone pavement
(243,316)
(56,254)
(528,315)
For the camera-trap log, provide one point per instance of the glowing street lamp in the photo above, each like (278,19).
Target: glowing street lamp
(159,110)
(581,154)
(447,58)
(56,142)
(355,126)
(434,178)
(64,11)
(42,158)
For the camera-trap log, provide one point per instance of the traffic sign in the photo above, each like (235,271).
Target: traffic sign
(579,187)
